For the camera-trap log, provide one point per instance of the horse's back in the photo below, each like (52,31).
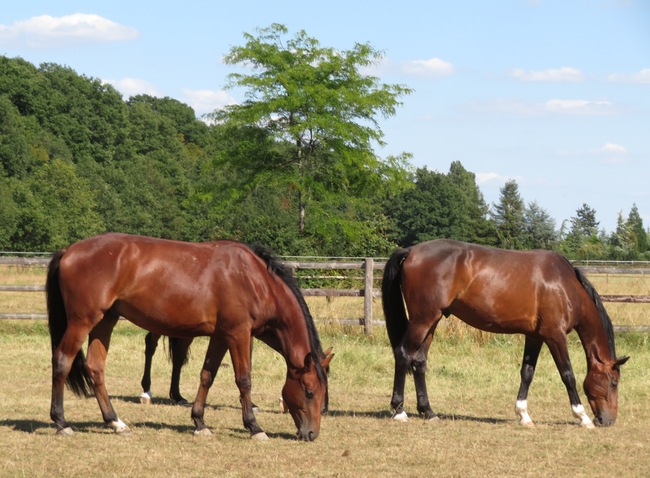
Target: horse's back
(169,287)
(492,289)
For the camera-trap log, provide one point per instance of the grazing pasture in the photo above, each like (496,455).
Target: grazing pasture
(473,379)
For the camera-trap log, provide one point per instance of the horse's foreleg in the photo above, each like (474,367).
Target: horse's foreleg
(150,345)
(216,350)
(179,348)
(560,353)
(98,345)
(532,348)
(240,352)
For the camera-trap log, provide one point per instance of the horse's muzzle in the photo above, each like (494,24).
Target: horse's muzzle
(604,422)
(605,419)
(307,435)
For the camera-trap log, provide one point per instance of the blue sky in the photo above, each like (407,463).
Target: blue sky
(552,93)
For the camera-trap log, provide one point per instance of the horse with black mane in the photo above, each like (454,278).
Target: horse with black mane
(222,289)
(535,293)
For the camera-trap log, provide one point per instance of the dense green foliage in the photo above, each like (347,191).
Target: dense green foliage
(293,167)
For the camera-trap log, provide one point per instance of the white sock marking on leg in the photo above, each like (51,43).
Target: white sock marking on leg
(521,408)
(580,414)
(118,425)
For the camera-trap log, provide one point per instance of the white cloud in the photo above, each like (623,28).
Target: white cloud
(611,153)
(515,107)
(490,177)
(579,107)
(552,75)
(608,153)
(206,101)
(611,148)
(642,77)
(135,86)
(483,178)
(79,28)
(431,68)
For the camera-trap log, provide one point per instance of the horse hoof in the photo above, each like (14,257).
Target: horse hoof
(527,424)
(145,399)
(588,425)
(65,432)
(261,436)
(119,427)
(183,403)
(204,432)
(401,416)
(434,420)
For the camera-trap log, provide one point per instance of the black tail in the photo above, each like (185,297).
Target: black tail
(172,349)
(391,298)
(604,317)
(78,379)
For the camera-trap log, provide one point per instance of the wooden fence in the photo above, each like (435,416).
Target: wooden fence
(371,269)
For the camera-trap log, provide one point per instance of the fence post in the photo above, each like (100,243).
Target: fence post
(367,295)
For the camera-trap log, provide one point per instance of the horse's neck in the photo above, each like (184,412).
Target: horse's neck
(293,338)
(594,339)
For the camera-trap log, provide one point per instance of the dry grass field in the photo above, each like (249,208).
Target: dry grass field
(473,380)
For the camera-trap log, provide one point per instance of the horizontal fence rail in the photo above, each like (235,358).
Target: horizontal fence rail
(369,291)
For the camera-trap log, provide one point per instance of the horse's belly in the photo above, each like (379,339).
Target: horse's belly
(492,321)
(165,319)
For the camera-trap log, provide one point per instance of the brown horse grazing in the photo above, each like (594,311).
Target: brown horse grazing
(223,289)
(535,293)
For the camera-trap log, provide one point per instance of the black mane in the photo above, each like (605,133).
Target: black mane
(602,313)
(277,267)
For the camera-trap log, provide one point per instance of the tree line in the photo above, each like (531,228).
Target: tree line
(292,167)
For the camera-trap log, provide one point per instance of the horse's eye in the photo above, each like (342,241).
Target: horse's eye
(614,384)
(309,393)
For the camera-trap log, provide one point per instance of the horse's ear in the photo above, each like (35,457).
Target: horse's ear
(328,358)
(621,361)
(327,352)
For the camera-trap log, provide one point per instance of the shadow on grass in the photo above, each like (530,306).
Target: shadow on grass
(375,414)
(34,426)
(383,415)
(26,426)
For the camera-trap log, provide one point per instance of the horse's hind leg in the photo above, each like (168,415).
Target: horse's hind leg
(63,360)
(179,348)
(411,355)
(532,348)
(150,344)
(419,377)
(98,344)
